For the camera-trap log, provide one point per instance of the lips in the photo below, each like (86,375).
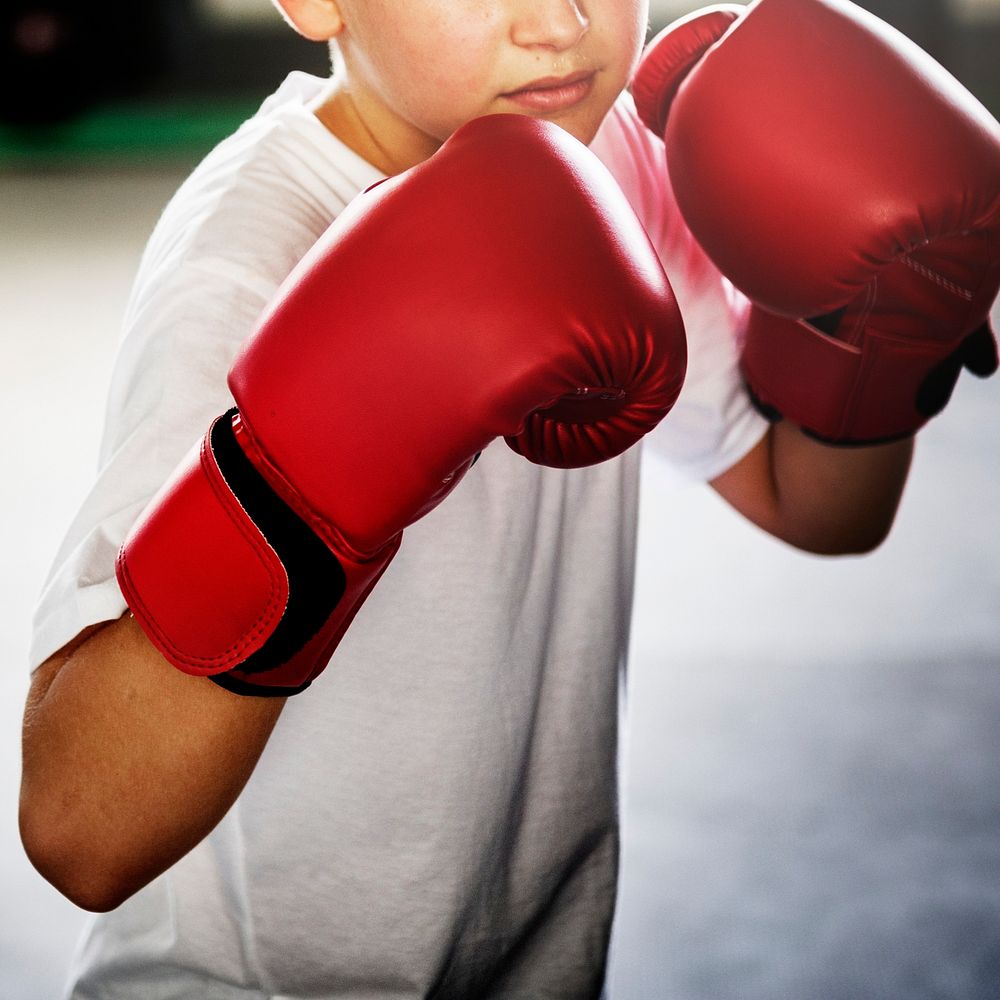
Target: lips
(549,94)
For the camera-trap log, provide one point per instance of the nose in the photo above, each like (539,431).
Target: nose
(556,24)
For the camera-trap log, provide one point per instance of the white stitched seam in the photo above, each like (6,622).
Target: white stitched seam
(938,279)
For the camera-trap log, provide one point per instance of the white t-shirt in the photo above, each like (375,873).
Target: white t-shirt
(437,814)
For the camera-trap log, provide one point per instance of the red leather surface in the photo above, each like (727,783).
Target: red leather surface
(448,306)
(311,660)
(197,575)
(672,54)
(824,162)
(854,392)
(829,140)
(443,309)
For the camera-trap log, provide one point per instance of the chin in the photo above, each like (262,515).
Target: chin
(584,128)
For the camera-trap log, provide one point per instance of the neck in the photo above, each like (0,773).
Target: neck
(343,112)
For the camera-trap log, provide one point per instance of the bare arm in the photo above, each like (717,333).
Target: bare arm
(823,499)
(128,763)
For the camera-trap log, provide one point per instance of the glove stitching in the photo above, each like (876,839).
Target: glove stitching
(938,279)
(261,549)
(264,622)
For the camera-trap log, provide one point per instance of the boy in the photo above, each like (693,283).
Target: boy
(435,816)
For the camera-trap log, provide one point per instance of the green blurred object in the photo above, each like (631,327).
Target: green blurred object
(127,132)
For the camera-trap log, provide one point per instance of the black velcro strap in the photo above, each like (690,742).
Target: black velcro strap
(316,579)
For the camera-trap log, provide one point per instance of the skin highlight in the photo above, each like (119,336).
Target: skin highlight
(493,47)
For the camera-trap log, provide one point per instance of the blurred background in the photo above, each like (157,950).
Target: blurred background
(167,76)
(812,809)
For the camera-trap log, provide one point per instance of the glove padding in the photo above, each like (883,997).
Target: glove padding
(848,185)
(502,288)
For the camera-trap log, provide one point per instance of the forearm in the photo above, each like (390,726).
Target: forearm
(821,498)
(128,763)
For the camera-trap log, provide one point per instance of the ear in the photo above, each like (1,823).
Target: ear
(317,20)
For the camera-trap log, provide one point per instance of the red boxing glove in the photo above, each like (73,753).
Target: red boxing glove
(850,187)
(502,288)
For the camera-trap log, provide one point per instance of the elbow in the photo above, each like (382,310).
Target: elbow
(855,540)
(75,869)
(866,544)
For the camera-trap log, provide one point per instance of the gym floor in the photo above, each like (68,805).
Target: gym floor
(812,809)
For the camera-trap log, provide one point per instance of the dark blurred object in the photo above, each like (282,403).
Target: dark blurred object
(59,57)
(967,48)
(929,23)
(141,81)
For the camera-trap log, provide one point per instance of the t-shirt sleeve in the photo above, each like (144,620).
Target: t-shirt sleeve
(713,424)
(225,242)
(181,334)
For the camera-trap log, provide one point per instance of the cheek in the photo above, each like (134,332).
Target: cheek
(626,26)
(455,76)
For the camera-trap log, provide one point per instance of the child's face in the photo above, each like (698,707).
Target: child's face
(418,70)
